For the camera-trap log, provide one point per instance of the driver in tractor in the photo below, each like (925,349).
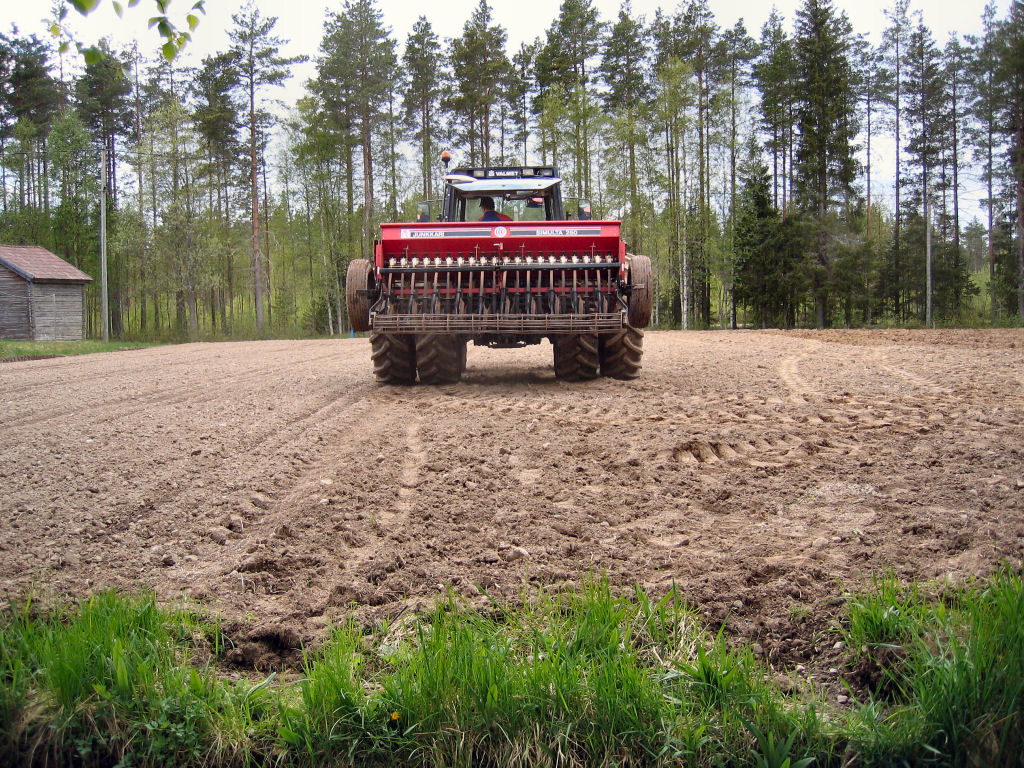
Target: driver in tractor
(487,206)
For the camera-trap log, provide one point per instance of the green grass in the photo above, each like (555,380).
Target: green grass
(10,349)
(958,673)
(587,677)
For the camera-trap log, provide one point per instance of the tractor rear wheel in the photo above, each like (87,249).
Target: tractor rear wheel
(640,276)
(576,356)
(622,353)
(358,278)
(439,358)
(394,358)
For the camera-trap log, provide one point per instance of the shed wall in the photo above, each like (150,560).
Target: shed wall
(57,311)
(13,306)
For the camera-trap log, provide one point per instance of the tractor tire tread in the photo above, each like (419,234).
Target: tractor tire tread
(358,278)
(622,353)
(439,358)
(640,274)
(394,358)
(576,357)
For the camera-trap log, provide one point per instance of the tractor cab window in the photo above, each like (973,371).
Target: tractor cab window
(527,198)
(516,208)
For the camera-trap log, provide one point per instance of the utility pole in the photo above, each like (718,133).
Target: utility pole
(105,311)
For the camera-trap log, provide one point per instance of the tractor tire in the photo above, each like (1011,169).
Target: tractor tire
(640,276)
(622,353)
(439,358)
(576,357)
(394,358)
(358,278)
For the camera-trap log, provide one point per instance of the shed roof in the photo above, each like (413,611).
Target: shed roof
(37,264)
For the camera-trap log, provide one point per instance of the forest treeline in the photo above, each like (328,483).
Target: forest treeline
(739,160)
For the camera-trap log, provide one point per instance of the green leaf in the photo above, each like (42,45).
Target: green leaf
(199,5)
(85,6)
(118,9)
(55,30)
(93,55)
(154,20)
(165,28)
(63,13)
(63,47)
(170,50)
(132,3)
(193,21)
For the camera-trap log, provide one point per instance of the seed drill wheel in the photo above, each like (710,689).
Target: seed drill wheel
(639,314)
(622,353)
(439,358)
(576,356)
(358,278)
(394,358)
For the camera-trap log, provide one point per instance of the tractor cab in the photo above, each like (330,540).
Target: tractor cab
(531,193)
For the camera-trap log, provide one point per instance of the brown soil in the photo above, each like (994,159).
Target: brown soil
(763,473)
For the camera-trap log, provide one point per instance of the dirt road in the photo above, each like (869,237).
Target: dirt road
(277,484)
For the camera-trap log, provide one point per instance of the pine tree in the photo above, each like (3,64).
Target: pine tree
(826,104)
(675,96)
(624,68)
(217,118)
(895,41)
(955,77)
(775,76)
(758,270)
(925,112)
(1010,76)
(738,51)
(520,92)
(28,103)
(102,95)
(986,99)
(479,68)
(423,67)
(695,41)
(871,92)
(564,66)
(256,49)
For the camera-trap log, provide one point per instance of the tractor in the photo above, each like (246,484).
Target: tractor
(499,263)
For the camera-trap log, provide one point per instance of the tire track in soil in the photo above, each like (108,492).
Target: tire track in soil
(800,393)
(409,477)
(882,358)
(158,360)
(160,397)
(166,503)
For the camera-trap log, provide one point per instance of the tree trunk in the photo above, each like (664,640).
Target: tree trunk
(367,236)
(266,236)
(257,259)
(1019,171)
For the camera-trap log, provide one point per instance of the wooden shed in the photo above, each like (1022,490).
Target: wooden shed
(42,297)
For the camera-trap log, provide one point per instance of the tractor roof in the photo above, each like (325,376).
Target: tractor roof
(475,186)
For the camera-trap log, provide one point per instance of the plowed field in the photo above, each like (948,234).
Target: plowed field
(763,473)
